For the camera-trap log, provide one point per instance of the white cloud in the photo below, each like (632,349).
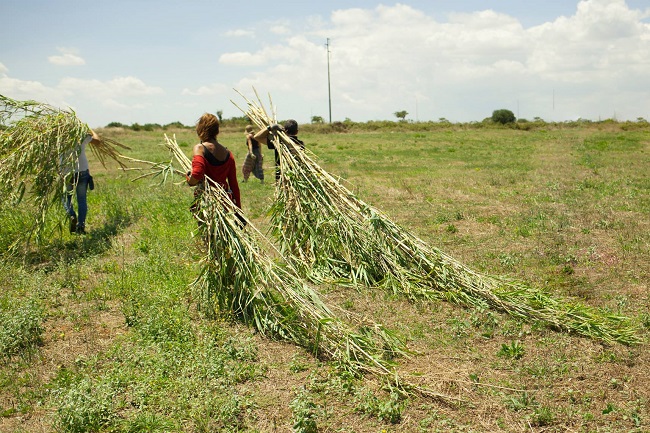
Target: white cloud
(112,104)
(594,45)
(68,57)
(27,89)
(293,49)
(214,89)
(242,59)
(280,29)
(383,58)
(101,90)
(593,60)
(121,96)
(240,33)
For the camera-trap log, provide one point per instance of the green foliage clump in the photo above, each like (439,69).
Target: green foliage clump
(304,413)
(503,116)
(388,410)
(20,327)
(173,125)
(116,125)
(401,115)
(85,407)
(515,350)
(171,383)
(146,127)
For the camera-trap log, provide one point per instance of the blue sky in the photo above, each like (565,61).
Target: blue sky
(164,61)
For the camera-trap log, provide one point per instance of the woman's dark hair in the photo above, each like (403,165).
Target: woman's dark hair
(291,127)
(207,127)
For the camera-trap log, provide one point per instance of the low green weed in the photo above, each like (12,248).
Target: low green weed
(305,412)
(21,327)
(85,406)
(514,350)
(521,402)
(388,410)
(542,416)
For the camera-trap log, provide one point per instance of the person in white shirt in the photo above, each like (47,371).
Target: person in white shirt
(80,182)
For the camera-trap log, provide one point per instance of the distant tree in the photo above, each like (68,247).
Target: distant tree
(317,119)
(237,121)
(174,125)
(401,115)
(115,125)
(503,116)
(220,115)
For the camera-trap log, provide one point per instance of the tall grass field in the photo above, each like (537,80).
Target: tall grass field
(101,332)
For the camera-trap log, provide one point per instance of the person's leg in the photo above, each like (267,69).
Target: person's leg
(69,208)
(67,201)
(258,171)
(82,204)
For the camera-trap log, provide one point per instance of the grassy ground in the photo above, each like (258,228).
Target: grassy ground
(100,333)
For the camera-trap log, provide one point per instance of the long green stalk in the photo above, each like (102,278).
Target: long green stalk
(329,233)
(240,276)
(38,154)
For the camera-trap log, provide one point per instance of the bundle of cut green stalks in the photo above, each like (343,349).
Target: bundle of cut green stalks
(240,277)
(330,234)
(39,149)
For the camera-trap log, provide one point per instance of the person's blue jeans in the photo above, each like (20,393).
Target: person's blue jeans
(82,178)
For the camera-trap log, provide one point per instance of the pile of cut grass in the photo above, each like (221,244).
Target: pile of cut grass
(239,276)
(328,233)
(39,150)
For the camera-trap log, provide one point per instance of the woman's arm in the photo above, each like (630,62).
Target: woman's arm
(261,136)
(198,166)
(232,181)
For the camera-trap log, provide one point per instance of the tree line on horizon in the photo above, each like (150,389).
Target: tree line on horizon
(500,117)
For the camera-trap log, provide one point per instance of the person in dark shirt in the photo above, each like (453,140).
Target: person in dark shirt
(264,136)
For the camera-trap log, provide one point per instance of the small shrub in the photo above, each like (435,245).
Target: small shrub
(389,410)
(503,116)
(116,125)
(542,416)
(148,422)
(85,407)
(304,413)
(172,125)
(158,320)
(298,364)
(514,351)
(521,402)
(20,328)
(645,320)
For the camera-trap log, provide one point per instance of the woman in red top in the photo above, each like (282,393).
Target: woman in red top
(213,159)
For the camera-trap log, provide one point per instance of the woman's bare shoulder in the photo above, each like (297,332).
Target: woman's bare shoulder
(198,149)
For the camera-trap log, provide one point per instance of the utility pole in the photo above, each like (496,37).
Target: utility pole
(329,88)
